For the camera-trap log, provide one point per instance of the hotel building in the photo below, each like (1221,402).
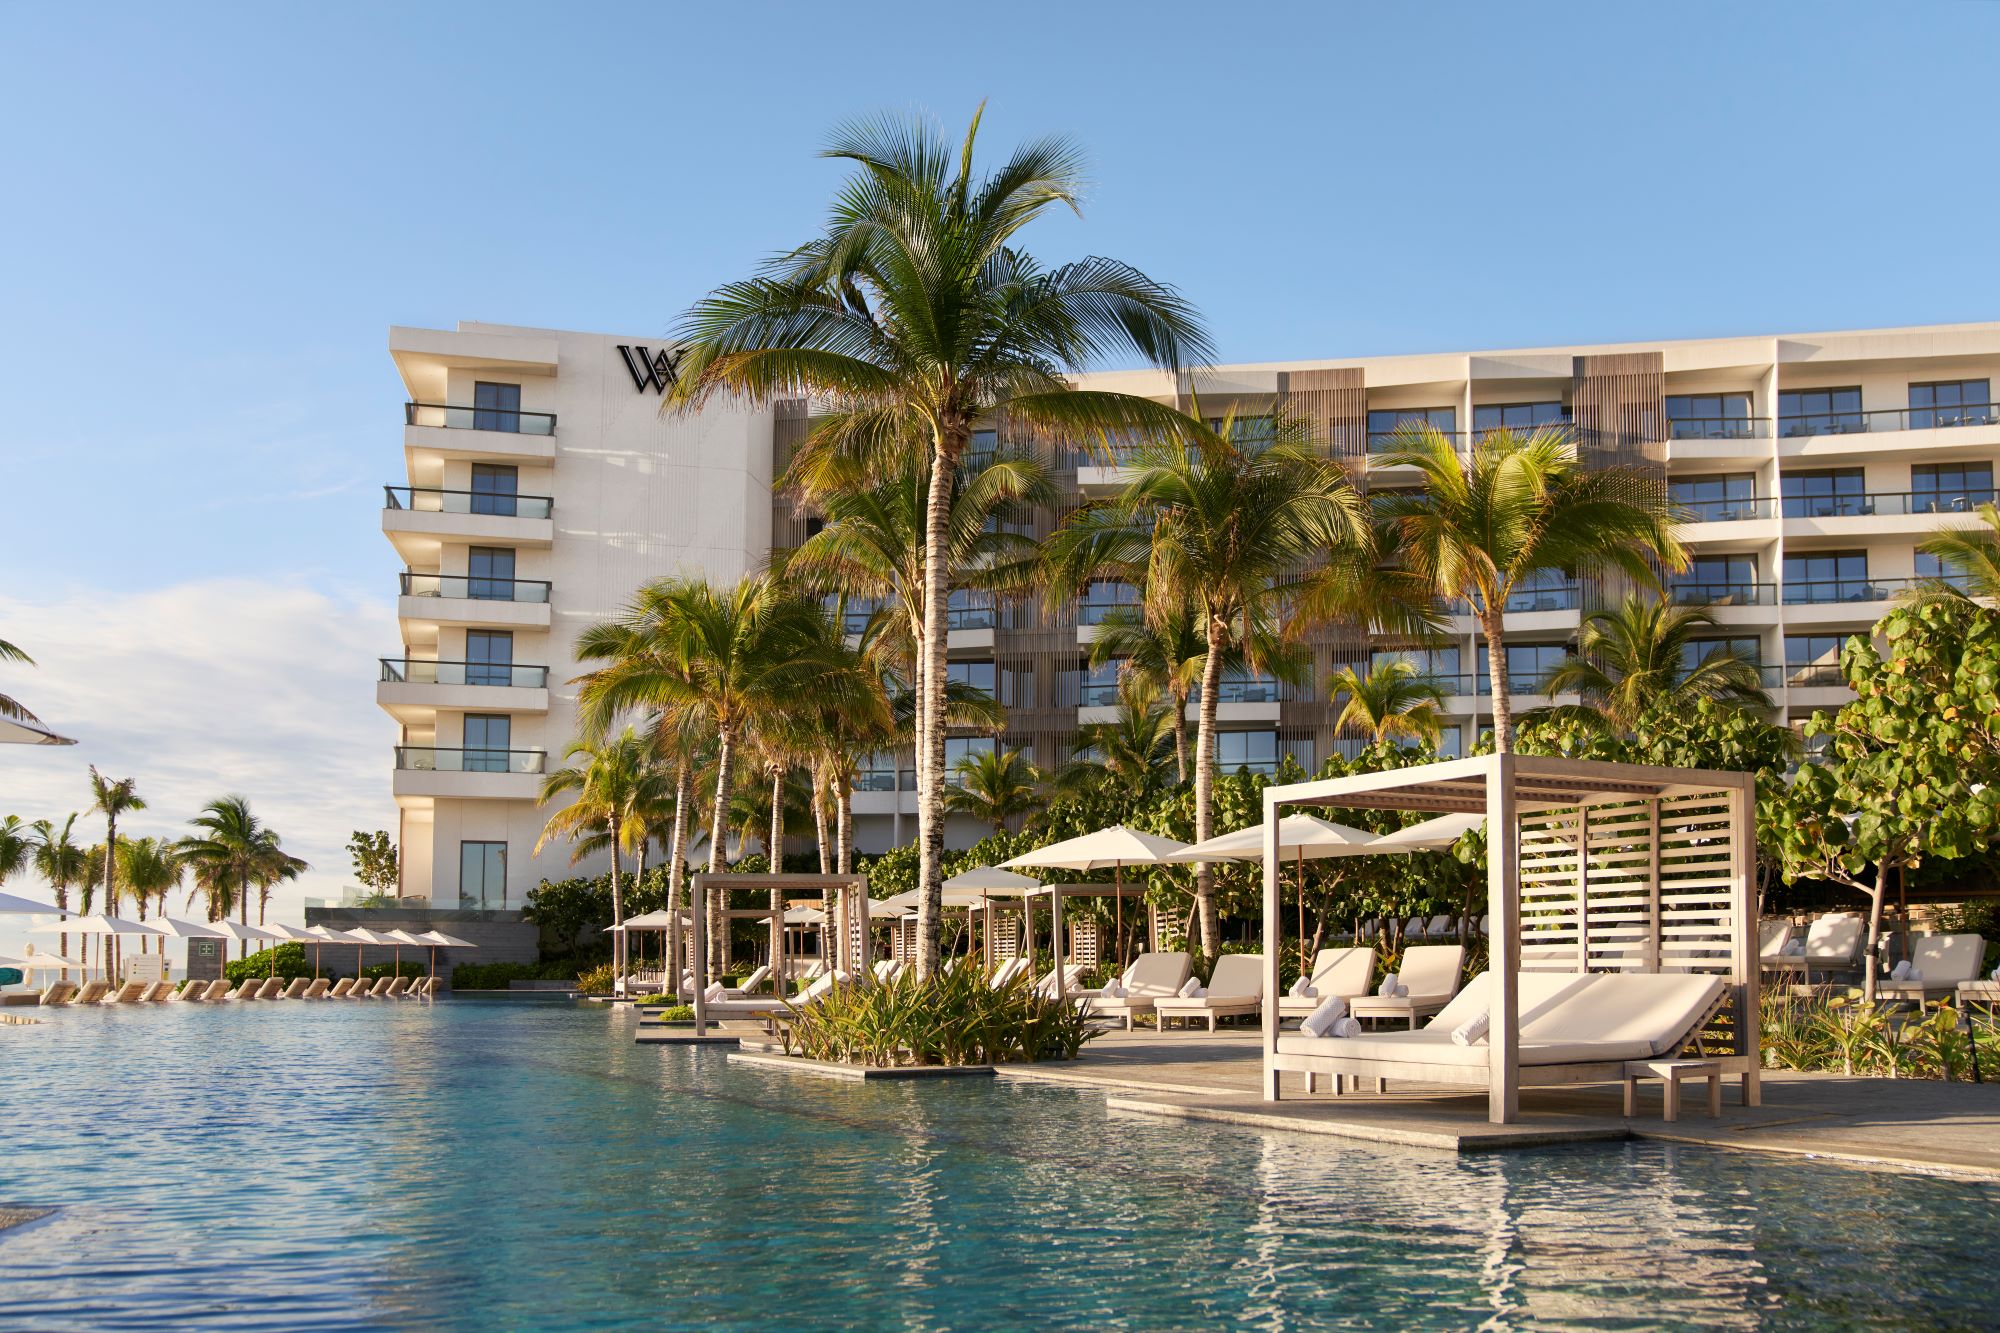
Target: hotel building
(543,485)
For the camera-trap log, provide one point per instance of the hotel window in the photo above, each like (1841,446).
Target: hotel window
(1718,499)
(1696,651)
(1438,664)
(496,407)
(489,657)
(1097,686)
(1451,742)
(957,748)
(494,489)
(1543,590)
(1245,429)
(1829,576)
(1950,488)
(482,875)
(1832,493)
(1527,663)
(1518,416)
(878,772)
(488,737)
(973,675)
(1708,416)
(969,608)
(1383,423)
(1949,571)
(1813,659)
(1254,750)
(1102,597)
(490,573)
(1820,412)
(1951,403)
(1730,580)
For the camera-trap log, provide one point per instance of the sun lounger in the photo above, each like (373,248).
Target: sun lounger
(1348,973)
(1072,980)
(194,992)
(1833,944)
(1151,978)
(217,990)
(1943,963)
(1236,988)
(129,993)
(752,985)
(341,988)
(315,990)
(271,989)
(248,990)
(1008,973)
(1430,973)
(397,987)
(59,993)
(295,989)
(92,992)
(1574,1028)
(1774,936)
(382,985)
(770,1007)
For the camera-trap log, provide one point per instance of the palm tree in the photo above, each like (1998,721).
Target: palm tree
(1225,524)
(1638,656)
(1391,701)
(9,706)
(914,317)
(994,787)
(1971,554)
(609,782)
(231,852)
(61,862)
(113,798)
(717,659)
(1162,645)
(150,868)
(1523,506)
(15,847)
(1131,753)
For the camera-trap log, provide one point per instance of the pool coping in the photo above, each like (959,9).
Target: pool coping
(798,1064)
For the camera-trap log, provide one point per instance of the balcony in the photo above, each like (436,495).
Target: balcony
(425,773)
(1727,511)
(1888,419)
(419,520)
(1388,441)
(440,416)
(1719,428)
(412,689)
(1722,594)
(1829,592)
(1886,503)
(430,600)
(1815,676)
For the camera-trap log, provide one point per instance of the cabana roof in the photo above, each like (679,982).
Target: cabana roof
(1540,782)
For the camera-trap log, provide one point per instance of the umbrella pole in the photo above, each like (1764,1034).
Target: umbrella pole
(1118,908)
(1302,907)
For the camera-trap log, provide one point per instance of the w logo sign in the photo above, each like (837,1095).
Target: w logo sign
(650,371)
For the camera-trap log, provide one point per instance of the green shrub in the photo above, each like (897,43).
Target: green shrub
(680,1013)
(1845,1035)
(495,976)
(292,962)
(408,968)
(954,1018)
(598,980)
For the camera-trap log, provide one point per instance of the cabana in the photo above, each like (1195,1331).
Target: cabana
(847,914)
(1633,883)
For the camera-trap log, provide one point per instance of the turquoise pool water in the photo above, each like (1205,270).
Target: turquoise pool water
(494,1166)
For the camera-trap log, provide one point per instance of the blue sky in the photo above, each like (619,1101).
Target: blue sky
(215,213)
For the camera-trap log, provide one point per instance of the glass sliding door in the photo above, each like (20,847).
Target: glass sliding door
(482,875)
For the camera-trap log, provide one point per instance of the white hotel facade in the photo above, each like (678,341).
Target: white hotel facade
(544,485)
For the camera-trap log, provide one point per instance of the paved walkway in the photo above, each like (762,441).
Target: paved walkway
(1900,1123)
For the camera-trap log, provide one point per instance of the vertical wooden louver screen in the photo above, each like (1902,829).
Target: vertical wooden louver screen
(788,432)
(1619,404)
(1335,403)
(1036,657)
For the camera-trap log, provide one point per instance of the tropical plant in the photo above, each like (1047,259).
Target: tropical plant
(1971,554)
(1638,656)
(604,787)
(1391,702)
(10,706)
(61,862)
(374,857)
(1162,646)
(1521,507)
(16,847)
(112,798)
(954,1017)
(995,786)
(231,852)
(150,868)
(1132,753)
(914,317)
(1223,520)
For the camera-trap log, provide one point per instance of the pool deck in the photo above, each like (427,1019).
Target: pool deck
(1899,1124)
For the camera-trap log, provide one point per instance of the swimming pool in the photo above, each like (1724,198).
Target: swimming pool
(487,1165)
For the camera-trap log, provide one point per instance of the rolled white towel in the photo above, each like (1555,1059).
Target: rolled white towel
(1401,989)
(713,993)
(1388,989)
(1901,971)
(1114,989)
(1471,1030)
(1319,1023)
(1190,989)
(1347,1027)
(1796,949)
(1301,989)
(1913,975)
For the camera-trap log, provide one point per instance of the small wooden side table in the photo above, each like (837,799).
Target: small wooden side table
(1672,1073)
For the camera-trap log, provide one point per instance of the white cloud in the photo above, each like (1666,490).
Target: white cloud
(205,688)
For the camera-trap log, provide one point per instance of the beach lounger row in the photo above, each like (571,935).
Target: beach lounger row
(71,993)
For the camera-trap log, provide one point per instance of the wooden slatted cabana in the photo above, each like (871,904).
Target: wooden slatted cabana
(1591,867)
(837,905)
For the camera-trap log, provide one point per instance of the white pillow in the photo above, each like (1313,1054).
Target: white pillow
(1472,1029)
(1320,1022)
(1191,989)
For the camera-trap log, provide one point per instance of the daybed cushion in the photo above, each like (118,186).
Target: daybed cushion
(1347,973)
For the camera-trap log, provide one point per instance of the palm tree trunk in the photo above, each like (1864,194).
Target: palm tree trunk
(819,819)
(617,908)
(930,753)
(111,876)
(243,915)
(1204,791)
(843,816)
(62,907)
(718,934)
(776,855)
(1490,621)
(1179,702)
(676,863)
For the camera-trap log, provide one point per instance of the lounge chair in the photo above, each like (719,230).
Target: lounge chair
(217,990)
(59,993)
(1833,944)
(887,971)
(1943,963)
(770,1007)
(157,991)
(248,990)
(295,989)
(315,990)
(1008,973)
(1574,1028)
(1072,980)
(1348,973)
(752,984)
(1430,973)
(194,992)
(416,990)
(92,992)
(397,987)
(1438,928)
(1774,936)
(129,993)
(341,989)
(1235,989)
(1151,978)
(271,989)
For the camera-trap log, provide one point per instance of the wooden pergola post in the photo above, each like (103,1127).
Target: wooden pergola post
(1273,916)
(1503,904)
(698,902)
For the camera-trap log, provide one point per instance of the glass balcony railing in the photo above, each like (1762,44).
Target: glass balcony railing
(1863,504)
(431,500)
(1814,675)
(1728,593)
(974,612)
(430,759)
(478,588)
(1727,511)
(1557,597)
(1243,691)
(1099,602)
(1097,694)
(1719,428)
(422,671)
(884,779)
(1384,441)
(1895,418)
(479,418)
(1819,592)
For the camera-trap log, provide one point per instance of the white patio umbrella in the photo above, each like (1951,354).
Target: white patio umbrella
(10,903)
(1111,848)
(248,934)
(993,882)
(49,962)
(403,937)
(96,924)
(174,927)
(15,731)
(327,935)
(1433,834)
(362,935)
(1300,836)
(437,939)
